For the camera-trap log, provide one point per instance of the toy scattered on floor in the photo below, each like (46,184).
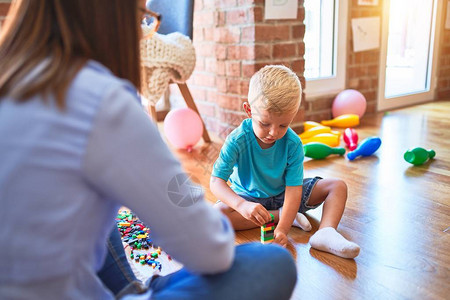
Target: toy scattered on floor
(183,128)
(320,151)
(367,147)
(349,102)
(147,259)
(267,231)
(351,138)
(134,233)
(418,155)
(329,139)
(314,131)
(318,129)
(348,120)
(338,133)
(310,124)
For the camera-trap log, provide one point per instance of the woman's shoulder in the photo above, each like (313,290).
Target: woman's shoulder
(95,81)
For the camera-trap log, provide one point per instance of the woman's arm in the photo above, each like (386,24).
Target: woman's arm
(127,161)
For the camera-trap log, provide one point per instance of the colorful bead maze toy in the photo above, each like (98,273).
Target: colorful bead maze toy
(267,231)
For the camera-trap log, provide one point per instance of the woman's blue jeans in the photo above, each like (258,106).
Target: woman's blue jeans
(116,273)
(258,272)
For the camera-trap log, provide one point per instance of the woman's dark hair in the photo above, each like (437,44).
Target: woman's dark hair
(44,43)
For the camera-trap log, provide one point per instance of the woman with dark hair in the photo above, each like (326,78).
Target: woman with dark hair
(75,145)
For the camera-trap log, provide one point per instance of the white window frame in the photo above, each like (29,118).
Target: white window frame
(384,103)
(336,83)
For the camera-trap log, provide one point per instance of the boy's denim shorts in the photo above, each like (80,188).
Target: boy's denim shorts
(275,202)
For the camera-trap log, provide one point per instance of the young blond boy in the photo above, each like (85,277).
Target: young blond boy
(263,159)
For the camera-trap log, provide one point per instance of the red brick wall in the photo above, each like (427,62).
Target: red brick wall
(443,82)
(233,41)
(363,67)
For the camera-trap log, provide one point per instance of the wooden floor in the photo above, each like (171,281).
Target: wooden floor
(398,213)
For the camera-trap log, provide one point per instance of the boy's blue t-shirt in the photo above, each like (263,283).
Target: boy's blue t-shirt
(257,172)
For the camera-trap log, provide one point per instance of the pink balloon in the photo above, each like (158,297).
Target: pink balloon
(183,128)
(349,102)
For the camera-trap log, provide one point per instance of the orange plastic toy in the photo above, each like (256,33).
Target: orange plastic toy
(348,120)
(310,124)
(329,139)
(314,131)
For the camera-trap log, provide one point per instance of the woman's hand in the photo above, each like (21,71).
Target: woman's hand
(254,212)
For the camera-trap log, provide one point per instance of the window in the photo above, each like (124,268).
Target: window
(409,51)
(325,41)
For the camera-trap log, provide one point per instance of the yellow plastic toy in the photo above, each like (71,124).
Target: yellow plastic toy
(338,133)
(310,124)
(344,121)
(329,139)
(314,131)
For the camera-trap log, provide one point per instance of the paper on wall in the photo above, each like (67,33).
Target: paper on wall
(366,33)
(447,19)
(280,9)
(368,2)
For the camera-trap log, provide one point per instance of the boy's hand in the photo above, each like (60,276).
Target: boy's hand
(254,212)
(280,238)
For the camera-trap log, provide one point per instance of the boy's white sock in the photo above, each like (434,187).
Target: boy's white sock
(300,221)
(329,240)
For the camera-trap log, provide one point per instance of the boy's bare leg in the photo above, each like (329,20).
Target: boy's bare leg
(334,195)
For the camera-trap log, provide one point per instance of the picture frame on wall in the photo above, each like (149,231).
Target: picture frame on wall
(368,2)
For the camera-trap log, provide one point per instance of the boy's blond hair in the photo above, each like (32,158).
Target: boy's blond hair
(275,88)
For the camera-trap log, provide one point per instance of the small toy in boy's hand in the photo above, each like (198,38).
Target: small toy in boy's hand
(267,231)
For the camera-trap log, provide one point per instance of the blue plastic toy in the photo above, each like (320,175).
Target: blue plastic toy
(366,148)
